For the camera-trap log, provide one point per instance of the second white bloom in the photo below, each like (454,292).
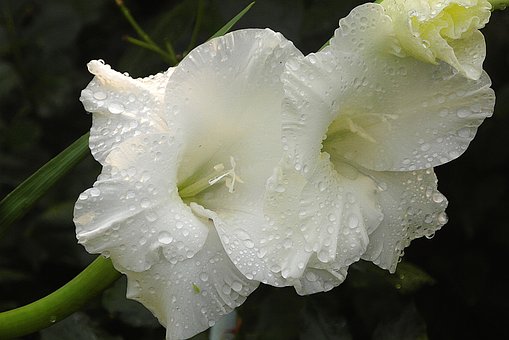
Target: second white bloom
(362,130)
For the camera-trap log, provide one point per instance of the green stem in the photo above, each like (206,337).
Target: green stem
(149,43)
(127,14)
(43,313)
(169,58)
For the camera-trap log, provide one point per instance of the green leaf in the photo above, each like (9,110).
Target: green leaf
(23,197)
(226,28)
(410,278)
(407,279)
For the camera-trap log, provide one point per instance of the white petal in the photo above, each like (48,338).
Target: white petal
(133,213)
(320,221)
(189,296)
(226,96)
(122,107)
(311,86)
(470,53)
(316,280)
(419,115)
(412,208)
(379,110)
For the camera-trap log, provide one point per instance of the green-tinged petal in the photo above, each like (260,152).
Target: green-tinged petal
(470,54)
(404,114)
(412,208)
(122,107)
(133,212)
(379,111)
(430,31)
(189,296)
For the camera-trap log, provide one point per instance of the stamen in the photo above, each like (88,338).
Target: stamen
(229,176)
(230,182)
(358,130)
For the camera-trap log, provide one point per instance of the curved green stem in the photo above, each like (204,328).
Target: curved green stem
(42,313)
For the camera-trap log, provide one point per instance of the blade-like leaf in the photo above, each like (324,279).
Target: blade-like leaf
(23,197)
(227,27)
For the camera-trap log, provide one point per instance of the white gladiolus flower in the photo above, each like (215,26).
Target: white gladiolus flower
(446,30)
(362,130)
(186,155)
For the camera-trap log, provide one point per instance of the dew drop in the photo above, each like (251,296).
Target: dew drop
(241,234)
(116,108)
(438,197)
(310,276)
(237,286)
(249,244)
(226,289)
(462,113)
(275,268)
(442,218)
(322,186)
(151,216)
(280,188)
(164,237)
(94,192)
(100,95)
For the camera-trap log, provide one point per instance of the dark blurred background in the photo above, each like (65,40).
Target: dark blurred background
(453,286)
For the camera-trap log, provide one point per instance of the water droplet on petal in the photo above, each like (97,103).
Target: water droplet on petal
(236,286)
(164,237)
(204,276)
(116,108)
(438,197)
(100,95)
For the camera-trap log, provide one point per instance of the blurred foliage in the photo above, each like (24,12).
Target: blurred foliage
(450,287)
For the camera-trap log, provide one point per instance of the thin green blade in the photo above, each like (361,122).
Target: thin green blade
(227,27)
(23,197)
